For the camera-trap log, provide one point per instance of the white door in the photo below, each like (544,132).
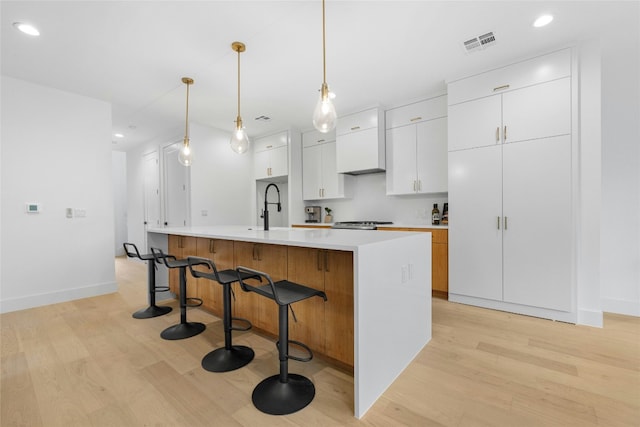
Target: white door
(431,154)
(152,209)
(401,160)
(475,233)
(176,177)
(537,215)
(475,123)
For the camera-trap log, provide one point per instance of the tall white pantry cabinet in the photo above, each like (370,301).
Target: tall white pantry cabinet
(510,188)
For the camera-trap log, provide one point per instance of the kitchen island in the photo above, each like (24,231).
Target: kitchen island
(389,291)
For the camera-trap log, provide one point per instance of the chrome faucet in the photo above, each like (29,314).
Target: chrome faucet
(265,212)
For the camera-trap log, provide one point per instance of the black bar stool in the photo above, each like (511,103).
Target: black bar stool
(284,393)
(229,357)
(153,310)
(183,329)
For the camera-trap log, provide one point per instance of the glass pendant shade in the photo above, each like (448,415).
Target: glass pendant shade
(324,115)
(239,139)
(185,157)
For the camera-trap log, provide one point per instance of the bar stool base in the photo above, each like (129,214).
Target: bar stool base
(276,398)
(183,330)
(151,311)
(225,360)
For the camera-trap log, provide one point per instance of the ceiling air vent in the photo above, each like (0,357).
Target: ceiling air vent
(480,42)
(263,119)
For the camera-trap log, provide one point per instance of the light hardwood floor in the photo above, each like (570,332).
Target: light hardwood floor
(89,363)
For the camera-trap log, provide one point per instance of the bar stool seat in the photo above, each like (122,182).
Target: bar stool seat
(229,357)
(183,329)
(153,310)
(284,393)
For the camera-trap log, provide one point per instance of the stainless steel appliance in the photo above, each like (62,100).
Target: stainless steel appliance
(360,225)
(313,213)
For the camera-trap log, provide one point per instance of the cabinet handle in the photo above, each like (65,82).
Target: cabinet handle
(414,185)
(182,242)
(212,249)
(415,119)
(319,260)
(498,223)
(419,185)
(253,255)
(326,260)
(497,134)
(323,192)
(320,140)
(495,89)
(269,146)
(355,128)
(505,133)
(505,222)
(319,192)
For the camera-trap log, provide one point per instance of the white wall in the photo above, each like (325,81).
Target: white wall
(56,151)
(620,232)
(119,174)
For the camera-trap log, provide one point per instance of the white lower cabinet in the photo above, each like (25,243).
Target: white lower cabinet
(510,231)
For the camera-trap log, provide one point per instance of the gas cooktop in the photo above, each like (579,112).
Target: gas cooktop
(360,225)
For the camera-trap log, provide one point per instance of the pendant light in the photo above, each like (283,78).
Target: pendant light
(185,157)
(324,115)
(239,138)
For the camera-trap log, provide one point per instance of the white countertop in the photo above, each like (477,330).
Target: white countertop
(394,225)
(347,240)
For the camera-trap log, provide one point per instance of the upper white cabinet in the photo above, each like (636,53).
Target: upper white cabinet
(537,111)
(416,148)
(360,144)
(510,188)
(320,179)
(271,155)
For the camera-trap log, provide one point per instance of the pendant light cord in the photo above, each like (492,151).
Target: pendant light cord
(238,83)
(186,123)
(324,56)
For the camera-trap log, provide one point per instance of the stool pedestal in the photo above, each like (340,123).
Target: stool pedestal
(183,329)
(153,310)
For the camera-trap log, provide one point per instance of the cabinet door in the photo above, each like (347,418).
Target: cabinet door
(431,155)
(475,123)
(332,182)
(537,235)
(271,259)
(279,162)
(339,321)
(261,164)
(475,238)
(305,267)
(538,111)
(221,253)
(312,172)
(401,160)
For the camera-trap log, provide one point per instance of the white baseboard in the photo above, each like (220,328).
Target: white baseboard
(590,318)
(619,306)
(64,295)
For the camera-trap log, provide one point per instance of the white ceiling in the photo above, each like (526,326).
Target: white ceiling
(133,54)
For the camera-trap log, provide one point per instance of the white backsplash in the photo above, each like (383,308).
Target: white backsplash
(370,202)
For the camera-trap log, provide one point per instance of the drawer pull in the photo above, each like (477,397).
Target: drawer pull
(498,134)
(320,140)
(269,146)
(503,87)
(415,119)
(355,128)
(504,134)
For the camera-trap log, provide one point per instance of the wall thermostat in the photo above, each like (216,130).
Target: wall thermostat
(32,208)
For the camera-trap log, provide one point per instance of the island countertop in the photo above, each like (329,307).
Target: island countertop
(322,238)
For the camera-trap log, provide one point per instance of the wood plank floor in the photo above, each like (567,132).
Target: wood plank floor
(89,363)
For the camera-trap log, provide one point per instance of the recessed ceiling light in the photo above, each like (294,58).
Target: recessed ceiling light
(118,135)
(543,20)
(27,28)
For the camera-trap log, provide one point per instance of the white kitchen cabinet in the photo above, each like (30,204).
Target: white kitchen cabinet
(320,179)
(510,194)
(417,158)
(533,112)
(416,147)
(360,144)
(271,156)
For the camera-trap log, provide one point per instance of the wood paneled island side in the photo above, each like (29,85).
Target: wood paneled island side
(378,314)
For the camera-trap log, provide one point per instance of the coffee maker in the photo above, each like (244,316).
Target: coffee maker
(312,213)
